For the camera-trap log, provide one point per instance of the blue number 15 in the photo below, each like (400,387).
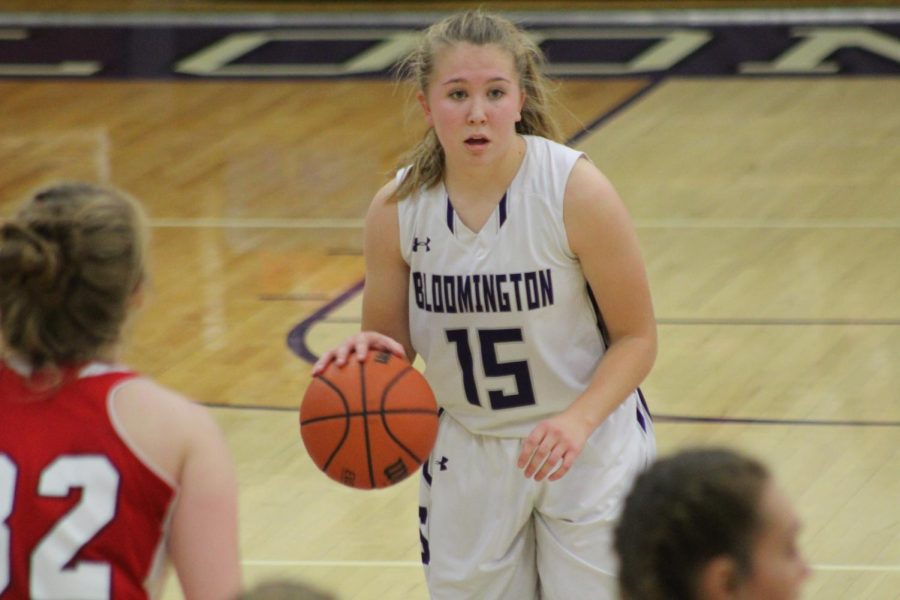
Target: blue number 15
(487,341)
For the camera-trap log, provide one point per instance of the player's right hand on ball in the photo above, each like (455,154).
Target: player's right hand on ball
(359,344)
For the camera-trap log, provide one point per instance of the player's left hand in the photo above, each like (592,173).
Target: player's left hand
(552,446)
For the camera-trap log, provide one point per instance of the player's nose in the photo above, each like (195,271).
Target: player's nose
(477,114)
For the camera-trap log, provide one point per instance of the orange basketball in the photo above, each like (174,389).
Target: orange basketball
(369,424)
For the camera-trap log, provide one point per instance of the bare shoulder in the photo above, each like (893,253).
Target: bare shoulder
(149,397)
(382,223)
(592,203)
(587,187)
(164,425)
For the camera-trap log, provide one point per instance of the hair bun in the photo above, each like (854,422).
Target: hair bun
(28,257)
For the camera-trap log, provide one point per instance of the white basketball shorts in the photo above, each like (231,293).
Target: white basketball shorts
(489,533)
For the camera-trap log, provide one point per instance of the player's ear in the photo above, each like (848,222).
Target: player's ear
(423,102)
(719,579)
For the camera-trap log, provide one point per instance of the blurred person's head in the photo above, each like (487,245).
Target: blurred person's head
(708,524)
(71,262)
(284,589)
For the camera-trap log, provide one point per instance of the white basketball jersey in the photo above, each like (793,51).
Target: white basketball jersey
(503,317)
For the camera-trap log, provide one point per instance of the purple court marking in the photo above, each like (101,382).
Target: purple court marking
(753,421)
(608,115)
(192,51)
(296,339)
(662,418)
(763,322)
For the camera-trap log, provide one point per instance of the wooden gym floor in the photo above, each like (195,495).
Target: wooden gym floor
(767,207)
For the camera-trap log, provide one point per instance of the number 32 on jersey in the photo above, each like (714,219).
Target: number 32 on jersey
(50,578)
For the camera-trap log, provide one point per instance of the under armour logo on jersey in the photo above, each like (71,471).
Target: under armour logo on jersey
(442,463)
(426,243)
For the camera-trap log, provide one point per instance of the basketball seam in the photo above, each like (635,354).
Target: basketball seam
(365,414)
(384,412)
(346,421)
(393,411)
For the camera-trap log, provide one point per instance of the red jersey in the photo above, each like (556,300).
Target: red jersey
(81,514)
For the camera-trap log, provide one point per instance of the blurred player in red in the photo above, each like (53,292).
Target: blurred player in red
(104,474)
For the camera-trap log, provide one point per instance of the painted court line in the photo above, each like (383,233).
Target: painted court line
(333,563)
(416,564)
(785,16)
(673,223)
(676,223)
(871,568)
(254,223)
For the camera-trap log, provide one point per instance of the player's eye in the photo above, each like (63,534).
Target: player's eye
(457,94)
(496,93)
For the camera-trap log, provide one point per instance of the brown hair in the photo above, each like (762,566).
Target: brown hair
(70,261)
(426,159)
(681,513)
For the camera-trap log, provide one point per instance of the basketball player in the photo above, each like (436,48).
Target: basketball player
(103,473)
(509,263)
(709,524)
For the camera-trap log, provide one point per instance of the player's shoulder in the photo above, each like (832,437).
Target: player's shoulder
(162,425)
(145,396)
(147,387)
(383,209)
(587,184)
(591,203)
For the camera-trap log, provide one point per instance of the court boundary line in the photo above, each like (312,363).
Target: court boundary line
(694,420)
(616,110)
(774,322)
(658,223)
(418,564)
(575,17)
(657,418)
(675,321)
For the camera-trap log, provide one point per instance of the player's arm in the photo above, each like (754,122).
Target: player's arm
(602,236)
(386,295)
(385,320)
(204,542)
(183,442)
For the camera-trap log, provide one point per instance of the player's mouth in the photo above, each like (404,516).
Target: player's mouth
(477,141)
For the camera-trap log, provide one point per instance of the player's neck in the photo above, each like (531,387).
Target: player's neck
(477,183)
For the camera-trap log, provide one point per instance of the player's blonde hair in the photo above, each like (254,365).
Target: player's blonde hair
(426,159)
(70,262)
